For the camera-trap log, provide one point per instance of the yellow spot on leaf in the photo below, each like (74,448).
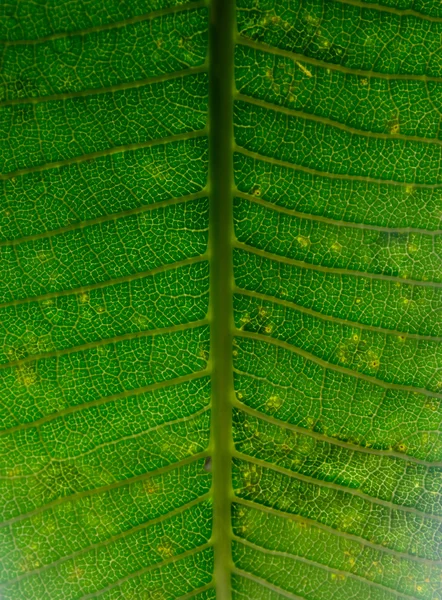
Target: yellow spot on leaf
(304,69)
(303,241)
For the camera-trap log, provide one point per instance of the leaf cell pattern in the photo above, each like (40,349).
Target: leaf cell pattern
(105,364)
(337,455)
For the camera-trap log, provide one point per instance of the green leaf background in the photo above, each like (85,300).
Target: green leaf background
(220,311)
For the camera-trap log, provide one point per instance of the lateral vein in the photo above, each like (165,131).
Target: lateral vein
(106,341)
(245,41)
(333,319)
(326,365)
(337,271)
(340,176)
(105,400)
(332,123)
(115,25)
(321,566)
(108,282)
(329,440)
(330,221)
(336,532)
(105,488)
(129,85)
(336,487)
(108,152)
(110,540)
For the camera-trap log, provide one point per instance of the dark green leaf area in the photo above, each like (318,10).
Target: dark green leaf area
(112,56)
(101,188)
(104,251)
(125,555)
(342,199)
(281,383)
(345,34)
(393,305)
(68,129)
(307,541)
(399,530)
(402,482)
(379,355)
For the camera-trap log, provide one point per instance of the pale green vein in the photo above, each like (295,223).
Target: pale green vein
(106,341)
(105,488)
(105,400)
(244,41)
(222,27)
(331,318)
(329,440)
(321,566)
(334,270)
(144,570)
(335,222)
(339,176)
(133,436)
(336,532)
(258,337)
(105,90)
(107,26)
(407,12)
(267,584)
(200,590)
(108,541)
(331,123)
(108,282)
(105,218)
(108,152)
(321,483)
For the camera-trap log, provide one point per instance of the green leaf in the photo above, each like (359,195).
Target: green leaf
(221,258)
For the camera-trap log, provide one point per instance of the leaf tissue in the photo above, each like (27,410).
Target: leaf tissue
(220,299)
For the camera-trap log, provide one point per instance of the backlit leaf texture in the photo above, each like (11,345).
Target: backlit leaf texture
(116,481)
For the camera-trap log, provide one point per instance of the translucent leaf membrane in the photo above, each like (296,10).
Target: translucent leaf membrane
(106,439)
(336,424)
(105,389)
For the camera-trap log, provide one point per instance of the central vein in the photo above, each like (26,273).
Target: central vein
(221,290)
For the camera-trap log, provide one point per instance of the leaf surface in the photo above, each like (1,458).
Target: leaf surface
(220,368)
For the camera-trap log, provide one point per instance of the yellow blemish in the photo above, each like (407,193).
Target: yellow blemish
(412,248)
(304,69)
(336,247)
(409,189)
(165,549)
(274,403)
(303,241)
(26,375)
